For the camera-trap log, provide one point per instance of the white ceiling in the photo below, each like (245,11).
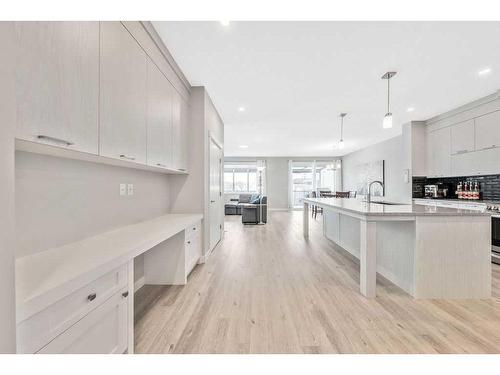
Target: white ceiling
(294,78)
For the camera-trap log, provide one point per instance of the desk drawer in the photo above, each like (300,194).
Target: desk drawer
(36,331)
(102,331)
(193,230)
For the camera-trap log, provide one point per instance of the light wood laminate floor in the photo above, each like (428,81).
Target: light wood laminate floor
(266,289)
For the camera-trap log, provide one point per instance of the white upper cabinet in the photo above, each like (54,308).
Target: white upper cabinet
(439,153)
(488,131)
(57,83)
(462,137)
(179,132)
(159,118)
(123,96)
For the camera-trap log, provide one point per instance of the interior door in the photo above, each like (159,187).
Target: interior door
(215,208)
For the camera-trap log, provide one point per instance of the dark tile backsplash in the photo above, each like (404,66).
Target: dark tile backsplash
(489,185)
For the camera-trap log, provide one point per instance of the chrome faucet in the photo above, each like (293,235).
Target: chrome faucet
(368,197)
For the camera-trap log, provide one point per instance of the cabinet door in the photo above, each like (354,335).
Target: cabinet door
(57,83)
(487,161)
(102,331)
(464,164)
(462,137)
(159,118)
(123,96)
(439,152)
(179,136)
(488,131)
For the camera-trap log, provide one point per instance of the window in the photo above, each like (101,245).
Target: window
(240,177)
(309,176)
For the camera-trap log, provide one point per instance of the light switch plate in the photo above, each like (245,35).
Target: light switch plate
(130,189)
(123,189)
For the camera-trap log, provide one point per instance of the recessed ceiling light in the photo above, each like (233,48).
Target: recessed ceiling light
(241,109)
(224,23)
(484,71)
(410,109)
(243,146)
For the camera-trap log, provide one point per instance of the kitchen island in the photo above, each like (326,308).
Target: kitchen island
(428,251)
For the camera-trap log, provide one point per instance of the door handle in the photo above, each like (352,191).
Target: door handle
(212,201)
(53,139)
(123,156)
(91,297)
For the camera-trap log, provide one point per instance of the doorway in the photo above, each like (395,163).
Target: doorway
(215,210)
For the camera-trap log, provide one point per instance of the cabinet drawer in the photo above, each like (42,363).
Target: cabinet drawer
(102,331)
(193,230)
(42,327)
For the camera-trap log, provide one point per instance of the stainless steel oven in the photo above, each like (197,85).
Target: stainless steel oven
(495,239)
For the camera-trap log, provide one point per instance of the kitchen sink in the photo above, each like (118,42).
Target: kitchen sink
(389,203)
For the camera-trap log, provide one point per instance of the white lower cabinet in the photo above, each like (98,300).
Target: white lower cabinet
(92,319)
(193,247)
(102,331)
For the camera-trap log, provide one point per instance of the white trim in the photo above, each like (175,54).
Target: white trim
(138,284)
(464,108)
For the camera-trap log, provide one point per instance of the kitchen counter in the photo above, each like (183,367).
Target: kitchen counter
(427,250)
(357,206)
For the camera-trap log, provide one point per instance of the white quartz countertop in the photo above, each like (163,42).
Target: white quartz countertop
(357,206)
(39,276)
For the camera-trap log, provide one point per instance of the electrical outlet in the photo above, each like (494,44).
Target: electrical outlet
(123,189)
(130,189)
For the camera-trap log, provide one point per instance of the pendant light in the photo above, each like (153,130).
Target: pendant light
(387,123)
(341,143)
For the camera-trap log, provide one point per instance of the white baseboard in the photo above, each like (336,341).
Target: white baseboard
(277,209)
(139,284)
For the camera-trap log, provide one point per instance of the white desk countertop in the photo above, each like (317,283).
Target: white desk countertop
(40,277)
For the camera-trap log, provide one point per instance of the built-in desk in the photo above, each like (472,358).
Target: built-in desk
(78,298)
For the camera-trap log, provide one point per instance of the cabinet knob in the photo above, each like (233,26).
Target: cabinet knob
(194,228)
(91,297)
(125,294)
(189,242)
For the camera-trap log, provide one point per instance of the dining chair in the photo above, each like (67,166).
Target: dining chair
(342,194)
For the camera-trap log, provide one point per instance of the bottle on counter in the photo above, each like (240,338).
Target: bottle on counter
(459,190)
(467,190)
(476,194)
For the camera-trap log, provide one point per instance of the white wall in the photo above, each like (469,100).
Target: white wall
(8,123)
(191,193)
(59,201)
(396,161)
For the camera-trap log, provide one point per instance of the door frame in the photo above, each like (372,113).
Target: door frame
(211,139)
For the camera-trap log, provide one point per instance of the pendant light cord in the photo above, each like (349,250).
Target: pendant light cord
(388,93)
(342,128)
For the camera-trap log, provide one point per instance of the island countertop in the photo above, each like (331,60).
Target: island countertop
(359,207)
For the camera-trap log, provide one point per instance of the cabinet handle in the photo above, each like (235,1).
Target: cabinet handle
(161,165)
(125,294)
(488,148)
(91,297)
(461,151)
(194,228)
(53,139)
(189,242)
(181,169)
(127,157)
